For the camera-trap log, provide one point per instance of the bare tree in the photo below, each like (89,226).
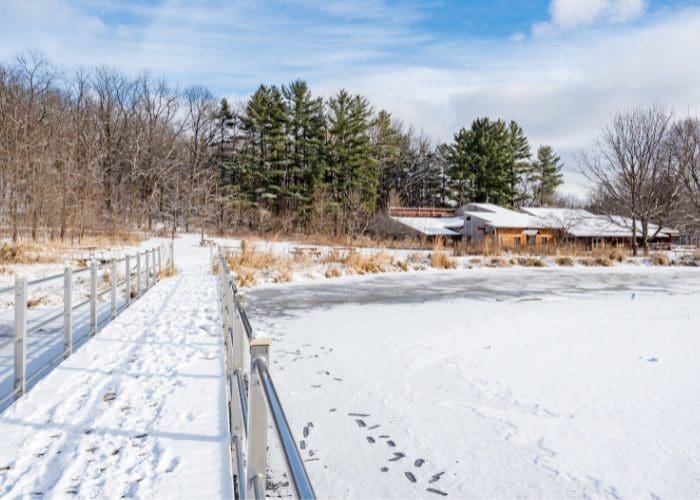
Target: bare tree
(631,166)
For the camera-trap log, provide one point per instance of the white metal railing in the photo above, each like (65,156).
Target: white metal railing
(144,277)
(252,399)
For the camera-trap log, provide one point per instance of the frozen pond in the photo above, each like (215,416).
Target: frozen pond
(494,383)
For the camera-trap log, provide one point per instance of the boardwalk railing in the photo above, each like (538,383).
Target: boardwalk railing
(252,399)
(123,280)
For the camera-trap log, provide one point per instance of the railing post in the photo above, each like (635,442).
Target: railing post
(20,335)
(148,277)
(138,274)
(127,279)
(172,254)
(155,268)
(93,297)
(67,312)
(257,421)
(160,266)
(115,279)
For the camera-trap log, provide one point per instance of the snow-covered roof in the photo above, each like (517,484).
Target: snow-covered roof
(581,223)
(433,226)
(557,214)
(496,216)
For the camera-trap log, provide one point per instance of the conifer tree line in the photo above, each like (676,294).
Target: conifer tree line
(95,149)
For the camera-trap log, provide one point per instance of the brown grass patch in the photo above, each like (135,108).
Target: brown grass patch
(167,272)
(564,261)
(333,272)
(368,264)
(37,301)
(530,262)
(659,259)
(439,259)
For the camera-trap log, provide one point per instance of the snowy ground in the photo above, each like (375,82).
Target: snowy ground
(495,383)
(139,410)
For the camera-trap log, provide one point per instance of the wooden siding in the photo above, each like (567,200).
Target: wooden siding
(506,238)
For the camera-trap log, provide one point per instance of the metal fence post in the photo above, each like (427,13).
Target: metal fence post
(138,274)
(257,421)
(115,279)
(160,266)
(67,312)
(93,297)
(148,274)
(127,279)
(20,335)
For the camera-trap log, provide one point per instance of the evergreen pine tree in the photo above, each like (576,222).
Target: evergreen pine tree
(545,176)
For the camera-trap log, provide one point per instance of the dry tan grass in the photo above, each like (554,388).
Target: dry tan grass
(358,263)
(439,259)
(167,272)
(659,259)
(333,272)
(564,261)
(36,301)
(26,253)
(530,262)
(414,257)
(600,261)
(284,276)
(499,262)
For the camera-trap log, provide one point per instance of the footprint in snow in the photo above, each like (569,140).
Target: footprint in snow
(397,456)
(436,491)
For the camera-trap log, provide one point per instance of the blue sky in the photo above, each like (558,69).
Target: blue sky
(561,68)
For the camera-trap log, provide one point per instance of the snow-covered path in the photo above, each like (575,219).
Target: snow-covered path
(138,411)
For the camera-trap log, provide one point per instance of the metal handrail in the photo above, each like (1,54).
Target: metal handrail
(300,478)
(242,399)
(22,328)
(248,409)
(44,280)
(51,319)
(244,319)
(240,468)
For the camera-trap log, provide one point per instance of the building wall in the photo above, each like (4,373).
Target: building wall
(507,238)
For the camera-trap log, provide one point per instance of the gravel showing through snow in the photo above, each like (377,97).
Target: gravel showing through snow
(139,410)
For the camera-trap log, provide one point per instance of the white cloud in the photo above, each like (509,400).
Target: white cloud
(568,14)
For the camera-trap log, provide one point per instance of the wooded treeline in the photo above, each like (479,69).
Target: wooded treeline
(95,149)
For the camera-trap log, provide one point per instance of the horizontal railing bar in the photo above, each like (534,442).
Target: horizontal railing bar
(8,289)
(243,399)
(44,280)
(44,367)
(34,328)
(84,303)
(244,319)
(240,468)
(104,292)
(299,476)
(9,396)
